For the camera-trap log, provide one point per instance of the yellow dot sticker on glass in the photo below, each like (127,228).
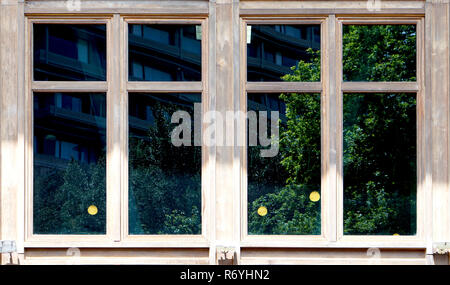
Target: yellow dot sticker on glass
(262,211)
(314,196)
(92,210)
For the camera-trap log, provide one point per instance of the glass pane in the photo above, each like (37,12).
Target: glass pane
(69,163)
(283,52)
(164,52)
(284,187)
(164,179)
(380,164)
(69,52)
(379,52)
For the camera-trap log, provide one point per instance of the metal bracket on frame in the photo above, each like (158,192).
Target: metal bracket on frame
(225,255)
(441,247)
(8,246)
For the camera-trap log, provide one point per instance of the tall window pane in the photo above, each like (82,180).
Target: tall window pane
(169,52)
(164,178)
(380,178)
(284,185)
(69,194)
(275,51)
(379,52)
(69,52)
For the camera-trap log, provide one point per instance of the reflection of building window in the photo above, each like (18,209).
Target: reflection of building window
(274,49)
(69,52)
(83,53)
(164,53)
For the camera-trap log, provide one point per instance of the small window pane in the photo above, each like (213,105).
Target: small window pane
(380,178)
(283,53)
(69,163)
(284,189)
(69,52)
(379,52)
(164,52)
(164,179)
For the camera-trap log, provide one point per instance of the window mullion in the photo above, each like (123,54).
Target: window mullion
(114,143)
(330,130)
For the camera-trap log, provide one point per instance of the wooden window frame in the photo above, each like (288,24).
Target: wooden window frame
(280,87)
(423,144)
(332,87)
(201,240)
(116,87)
(31,86)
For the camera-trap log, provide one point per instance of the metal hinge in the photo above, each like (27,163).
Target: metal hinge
(8,246)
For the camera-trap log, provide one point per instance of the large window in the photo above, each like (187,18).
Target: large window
(379,132)
(69,131)
(333,150)
(347,162)
(105,165)
(283,185)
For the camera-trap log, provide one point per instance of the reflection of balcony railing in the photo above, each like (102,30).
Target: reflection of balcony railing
(49,161)
(266,66)
(139,124)
(79,117)
(71,126)
(165,50)
(252,105)
(277,37)
(69,64)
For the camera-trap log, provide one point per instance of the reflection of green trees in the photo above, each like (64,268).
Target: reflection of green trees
(379,143)
(164,188)
(294,173)
(379,53)
(380,163)
(62,197)
(164,180)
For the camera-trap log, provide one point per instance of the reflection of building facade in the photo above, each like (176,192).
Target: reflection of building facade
(164,52)
(68,126)
(272,52)
(274,49)
(142,109)
(157,53)
(69,52)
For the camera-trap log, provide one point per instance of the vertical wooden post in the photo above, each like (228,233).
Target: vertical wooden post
(114,130)
(330,128)
(227,91)
(440,118)
(12,125)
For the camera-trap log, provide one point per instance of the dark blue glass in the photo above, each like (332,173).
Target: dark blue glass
(69,52)
(274,51)
(69,163)
(164,52)
(380,164)
(164,179)
(283,190)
